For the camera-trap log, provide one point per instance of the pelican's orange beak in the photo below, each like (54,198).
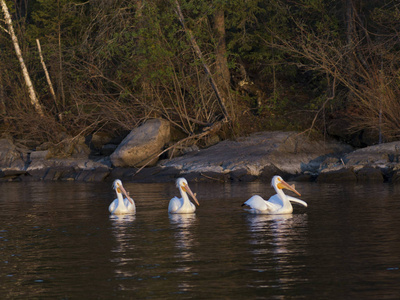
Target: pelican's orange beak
(187,189)
(120,187)
(284,185)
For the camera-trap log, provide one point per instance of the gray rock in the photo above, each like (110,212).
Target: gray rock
(338,176)
(396,177)
(60,173)
(369,174)
(98,140)
(141,146)
(11,175)
(242,174)
(36,174)
(69,147)
(122,173)
(206,177)
(108,149)
(375,155)
(65,169)
(41,154)
(256,157)
(270,171)
(288,152)
(10,157)
(97,175)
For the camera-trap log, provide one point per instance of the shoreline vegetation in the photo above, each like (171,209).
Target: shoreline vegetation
(82,73)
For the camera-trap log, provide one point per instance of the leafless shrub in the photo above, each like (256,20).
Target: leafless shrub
(366,68)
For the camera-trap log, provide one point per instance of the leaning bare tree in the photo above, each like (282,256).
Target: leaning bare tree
(216,88)
(28,82)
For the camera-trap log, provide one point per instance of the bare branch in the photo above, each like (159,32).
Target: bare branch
(200,55)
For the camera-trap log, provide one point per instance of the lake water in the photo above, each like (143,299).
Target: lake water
(58,241)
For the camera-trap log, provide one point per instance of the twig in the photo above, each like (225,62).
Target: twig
(344,165)
(212,178)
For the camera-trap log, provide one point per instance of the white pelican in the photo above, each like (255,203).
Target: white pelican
(182,205)
(277,204)
(120,205)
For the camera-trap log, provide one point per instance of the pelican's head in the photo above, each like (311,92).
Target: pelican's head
(278,183)
(180,182)
(183,185)
(117,184)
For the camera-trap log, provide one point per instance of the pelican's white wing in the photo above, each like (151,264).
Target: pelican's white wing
(293,199)
(113,205)
(174,204)
(259,204)
(131,207)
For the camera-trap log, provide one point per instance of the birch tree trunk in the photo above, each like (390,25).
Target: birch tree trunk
(46,72)
(28,82)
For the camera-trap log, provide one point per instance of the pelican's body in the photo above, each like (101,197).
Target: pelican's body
(277,204)
(121,205)
(182,205)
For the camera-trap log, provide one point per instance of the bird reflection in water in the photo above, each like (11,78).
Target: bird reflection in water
(183,235)
(123,246)
(121,220)
(184,241)
(277,244)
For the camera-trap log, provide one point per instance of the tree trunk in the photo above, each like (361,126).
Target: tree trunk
(28,82)
(2,103)
(222,70)
(60,58)
(222,74)
(351,36)
(53,94)
(196,48)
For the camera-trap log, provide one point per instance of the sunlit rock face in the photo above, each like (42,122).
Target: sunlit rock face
(259,156)
(142,145)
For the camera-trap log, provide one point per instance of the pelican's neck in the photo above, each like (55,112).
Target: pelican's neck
(185,196)
(120,199)
(282,196)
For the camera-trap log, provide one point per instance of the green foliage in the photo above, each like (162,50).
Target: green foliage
(119,62)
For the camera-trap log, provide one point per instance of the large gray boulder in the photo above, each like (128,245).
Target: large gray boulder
(142,145)
(258,155)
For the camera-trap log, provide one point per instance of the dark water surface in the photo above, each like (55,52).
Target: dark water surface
(58,241)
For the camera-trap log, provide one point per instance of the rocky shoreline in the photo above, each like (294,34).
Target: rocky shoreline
(256,157)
